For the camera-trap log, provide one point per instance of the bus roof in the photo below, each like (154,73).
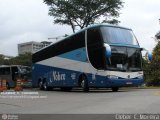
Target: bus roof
(91,26)
(105,25)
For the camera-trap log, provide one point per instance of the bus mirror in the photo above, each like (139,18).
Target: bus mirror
(149,56)
(108,50)
(142,49)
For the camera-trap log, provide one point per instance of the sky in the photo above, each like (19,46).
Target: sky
(27,20)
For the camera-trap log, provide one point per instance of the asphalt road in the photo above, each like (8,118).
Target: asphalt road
(77,102)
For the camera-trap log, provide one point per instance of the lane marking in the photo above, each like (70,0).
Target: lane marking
(10,104)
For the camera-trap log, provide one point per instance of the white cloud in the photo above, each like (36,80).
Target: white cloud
(27,20)
(142,16)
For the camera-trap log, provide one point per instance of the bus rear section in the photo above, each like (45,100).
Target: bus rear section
(101,56)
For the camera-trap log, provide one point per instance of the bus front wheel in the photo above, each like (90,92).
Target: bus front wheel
(115,89)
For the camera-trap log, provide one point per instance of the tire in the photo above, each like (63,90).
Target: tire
(40,85)
(45,86)
(115,89)
(84,84)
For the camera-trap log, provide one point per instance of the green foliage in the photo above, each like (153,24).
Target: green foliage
(157,36)
(152,70)
(156,53)
(82,13)
(1,59)
(22,59)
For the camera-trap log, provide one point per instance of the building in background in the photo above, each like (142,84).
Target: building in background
(32,46)
(45,43)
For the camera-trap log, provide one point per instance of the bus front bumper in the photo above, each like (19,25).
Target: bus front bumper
(125,82)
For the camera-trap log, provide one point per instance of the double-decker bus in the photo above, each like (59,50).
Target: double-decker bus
(99,56)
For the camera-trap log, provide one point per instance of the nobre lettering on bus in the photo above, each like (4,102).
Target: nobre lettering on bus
(58,76)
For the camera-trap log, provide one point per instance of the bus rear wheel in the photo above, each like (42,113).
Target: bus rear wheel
(40,84)
(84,84)
(115,89)
(45,86)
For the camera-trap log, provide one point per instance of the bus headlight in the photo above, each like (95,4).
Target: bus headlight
(140,77)
(112,76)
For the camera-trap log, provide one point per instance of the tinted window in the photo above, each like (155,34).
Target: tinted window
(14,69)
(114,35)
(5,71)
(125,59)
(96,49)
(134,59)
(66,45)
(118,60)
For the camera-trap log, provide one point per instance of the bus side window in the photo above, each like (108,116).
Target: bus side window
(96,49)
(5,71)
(1,71)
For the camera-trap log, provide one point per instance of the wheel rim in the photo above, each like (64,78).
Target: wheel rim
(45,86)
(82,84)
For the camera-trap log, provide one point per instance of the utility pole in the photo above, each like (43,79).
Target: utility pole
(56,38)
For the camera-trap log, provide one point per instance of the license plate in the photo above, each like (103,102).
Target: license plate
(129,83)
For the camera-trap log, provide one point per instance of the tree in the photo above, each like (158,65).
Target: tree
(22,59)
(157,36)
(81,13)
(152,70)
(1,59)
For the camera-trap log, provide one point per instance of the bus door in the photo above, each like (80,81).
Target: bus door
(15,73)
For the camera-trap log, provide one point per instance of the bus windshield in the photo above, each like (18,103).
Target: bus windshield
(125,59)
(115,35)
(25,69)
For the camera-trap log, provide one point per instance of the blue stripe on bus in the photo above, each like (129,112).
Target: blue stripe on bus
(71,78)
(78,55)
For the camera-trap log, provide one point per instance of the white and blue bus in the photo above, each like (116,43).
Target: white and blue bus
(99,56)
